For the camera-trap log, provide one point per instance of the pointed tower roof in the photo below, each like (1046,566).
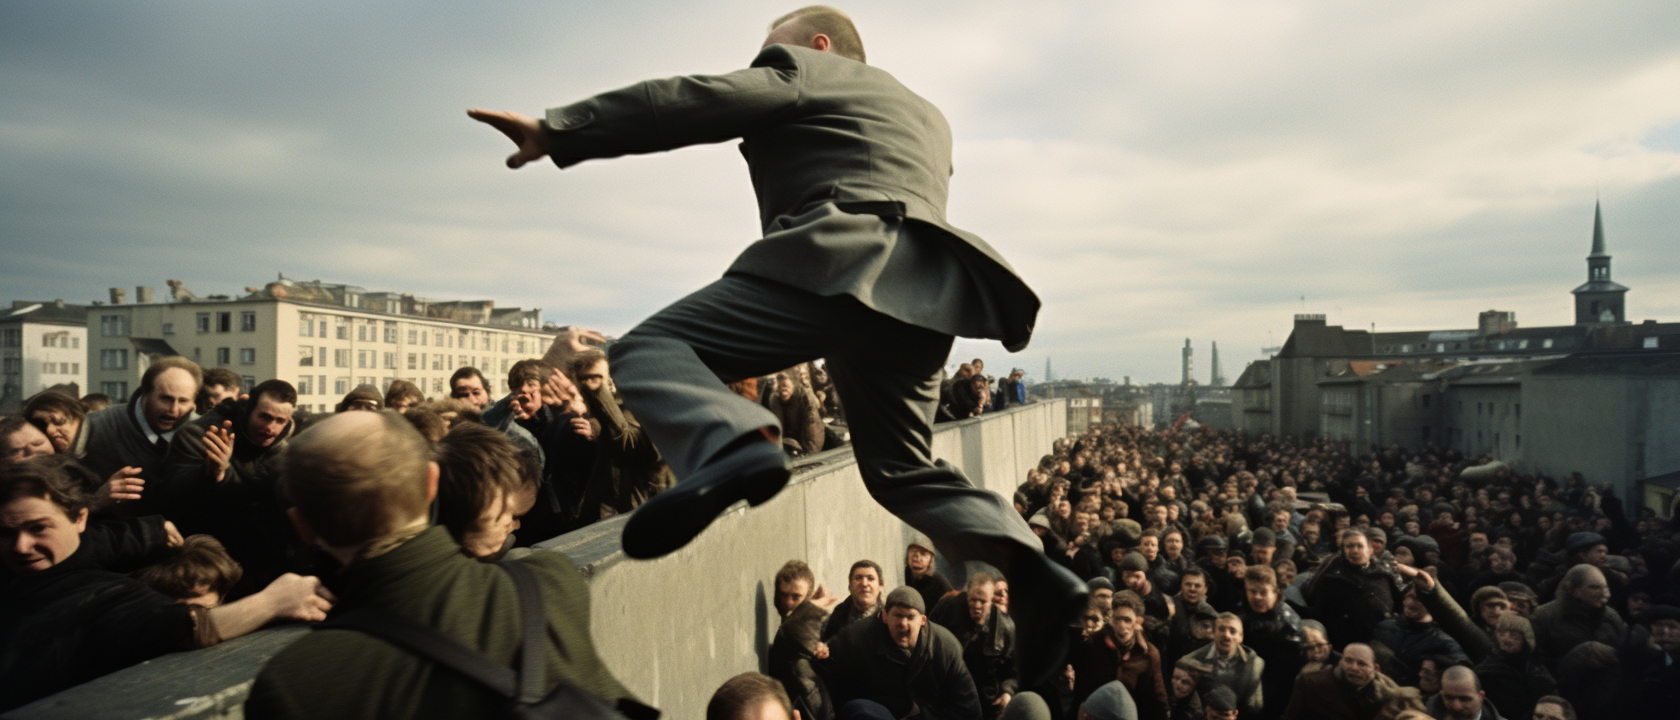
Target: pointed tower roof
(1598,232)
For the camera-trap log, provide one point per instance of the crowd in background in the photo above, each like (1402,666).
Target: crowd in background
(1254,577)
(1229,576)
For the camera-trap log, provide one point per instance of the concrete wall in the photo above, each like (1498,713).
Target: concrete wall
(671,629)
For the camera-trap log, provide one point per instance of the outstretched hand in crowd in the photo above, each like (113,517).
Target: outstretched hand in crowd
(125,484)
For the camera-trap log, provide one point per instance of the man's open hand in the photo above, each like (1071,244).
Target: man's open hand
(125,484)
(523,130)
(218,450)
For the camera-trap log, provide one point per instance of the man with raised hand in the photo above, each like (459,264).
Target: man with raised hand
(857,265)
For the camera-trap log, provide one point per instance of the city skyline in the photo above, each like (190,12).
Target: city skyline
(1198,170)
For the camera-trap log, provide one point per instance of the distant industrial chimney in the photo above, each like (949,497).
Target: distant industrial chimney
(142,294)
(1218,377)
(1188,375)
(118,295)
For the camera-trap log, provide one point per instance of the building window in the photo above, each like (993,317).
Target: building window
(391,333)
(1546,343)
(341,386)
(249,381)
(413,336)
(412,364)
(306,325)
(113,360)
(248,321)
(361,333)
(361,358)
(224,322)
(247,356)
(321,384)
(117,390)
(306,356)
(13,337)
(224,357)
(202,322)
(304,387)
(341,358)
(169,328)
(110,326)
(1649,342)
(390,361)
(343,327)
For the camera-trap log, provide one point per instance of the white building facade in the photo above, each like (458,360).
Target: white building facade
(42,345)
(324,339)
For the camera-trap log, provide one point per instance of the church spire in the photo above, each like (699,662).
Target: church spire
(1598,232)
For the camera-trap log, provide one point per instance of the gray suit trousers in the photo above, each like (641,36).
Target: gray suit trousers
(672,371)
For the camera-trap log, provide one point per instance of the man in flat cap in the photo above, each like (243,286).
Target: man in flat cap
(901,663)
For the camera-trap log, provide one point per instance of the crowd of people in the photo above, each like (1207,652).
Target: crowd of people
(164,522)
(1229,576)
(1252,577)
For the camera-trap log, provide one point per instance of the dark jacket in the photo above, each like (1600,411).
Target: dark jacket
(847,613)
(864,663)
(1514,682)
(1276,636)
(1323,695)
(115,440)
(628,469)
(1412,641)
(568,459)
(791,655)
(932,587)
(1452,619)
(1351,601)
(988,648)
(1564,623)
(345,673)
(75,621)
(244,509)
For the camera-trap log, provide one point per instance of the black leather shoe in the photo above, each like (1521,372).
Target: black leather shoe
(1044,599)
(754,470)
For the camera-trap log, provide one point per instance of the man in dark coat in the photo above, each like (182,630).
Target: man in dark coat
(1413,636)
(1273,629)
(1654,671)
(137,433)
(223,475)
(1354,689)
(66,618)
(796,645)
(857,265)
(546,409)
(901,663)
(1352,591)
(863,582)
(1581,613)
(988,641)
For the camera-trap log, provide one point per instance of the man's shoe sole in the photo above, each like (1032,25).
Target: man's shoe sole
(673,518)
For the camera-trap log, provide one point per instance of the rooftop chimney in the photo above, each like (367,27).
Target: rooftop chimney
(142,294)
(118,295)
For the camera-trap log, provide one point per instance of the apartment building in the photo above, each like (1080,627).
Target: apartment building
(42,345)
(323,338)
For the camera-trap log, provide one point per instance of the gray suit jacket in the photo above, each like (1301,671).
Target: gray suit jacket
(851,170)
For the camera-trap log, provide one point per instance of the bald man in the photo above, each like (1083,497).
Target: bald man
(1353,689)
(362,486)
(1461,697)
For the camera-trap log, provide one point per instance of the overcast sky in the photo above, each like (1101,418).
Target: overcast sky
(1156,171)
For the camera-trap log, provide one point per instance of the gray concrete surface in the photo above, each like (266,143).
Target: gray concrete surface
(671,629)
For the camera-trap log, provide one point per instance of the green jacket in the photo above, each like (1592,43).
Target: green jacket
(348,674)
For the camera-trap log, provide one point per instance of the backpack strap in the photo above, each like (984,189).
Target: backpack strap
(535,634)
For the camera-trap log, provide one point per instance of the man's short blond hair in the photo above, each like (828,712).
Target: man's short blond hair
(817,20)
(357,476)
